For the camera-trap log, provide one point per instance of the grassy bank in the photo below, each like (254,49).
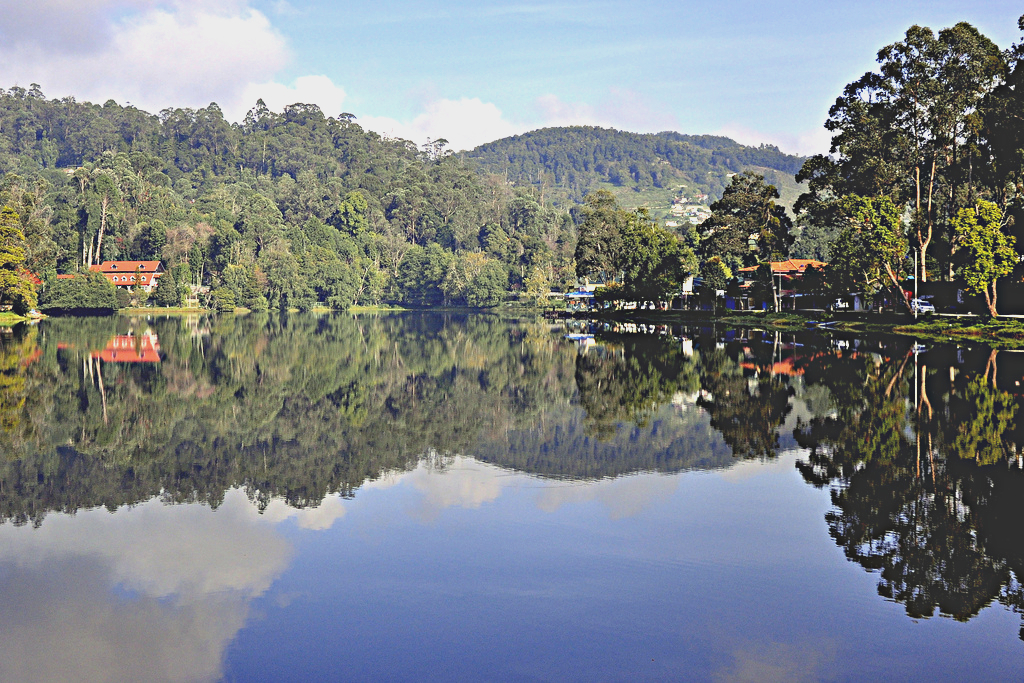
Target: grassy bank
(1007,332)
(7,319)
(162,311)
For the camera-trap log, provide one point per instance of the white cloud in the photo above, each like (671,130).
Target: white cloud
(154,55)
(809,142)
(318,90)
(464,123)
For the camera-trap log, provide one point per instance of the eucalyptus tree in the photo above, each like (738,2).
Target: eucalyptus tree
(908,131)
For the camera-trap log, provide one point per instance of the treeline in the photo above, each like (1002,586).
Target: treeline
(924,180)
(926,166)
(567,163)
(297,406)
(288,209)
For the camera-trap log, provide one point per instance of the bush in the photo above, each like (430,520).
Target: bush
(87,292)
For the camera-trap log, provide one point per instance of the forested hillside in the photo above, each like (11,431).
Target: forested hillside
(564,164)
(282,209)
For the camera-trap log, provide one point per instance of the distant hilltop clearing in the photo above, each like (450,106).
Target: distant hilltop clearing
(566,163)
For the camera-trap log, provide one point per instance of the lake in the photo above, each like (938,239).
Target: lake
(438,497)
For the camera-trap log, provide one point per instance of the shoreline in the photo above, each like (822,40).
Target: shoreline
(1004,331)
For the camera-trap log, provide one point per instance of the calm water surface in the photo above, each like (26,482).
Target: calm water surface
(427,497)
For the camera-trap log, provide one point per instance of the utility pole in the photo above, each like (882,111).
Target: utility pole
(916,278)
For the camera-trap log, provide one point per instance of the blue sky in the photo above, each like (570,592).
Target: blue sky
(475,71)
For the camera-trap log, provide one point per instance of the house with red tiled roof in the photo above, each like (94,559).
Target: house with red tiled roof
(126,348)
(793,266)
(127,274)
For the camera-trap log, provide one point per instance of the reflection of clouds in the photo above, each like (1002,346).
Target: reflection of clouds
(318,518)
(59,623)
(748,469)
(769,661)
(189,574)
(161,550)
(463,483)
(467,483)
(624,496)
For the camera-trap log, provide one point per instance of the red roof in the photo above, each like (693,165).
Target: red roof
(793,265)
(124,349)
(66,276)
(108,267)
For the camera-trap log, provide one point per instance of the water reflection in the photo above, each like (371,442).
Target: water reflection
(922,458)
(279,422)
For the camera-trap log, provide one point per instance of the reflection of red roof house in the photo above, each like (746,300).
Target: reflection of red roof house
(32,358)
(126,348)
(793,266)
(125,273)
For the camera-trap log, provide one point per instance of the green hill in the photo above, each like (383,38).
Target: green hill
(642,169)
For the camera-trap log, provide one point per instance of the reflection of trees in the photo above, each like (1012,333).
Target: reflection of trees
(916,456)
(630,377)
(746,406)
(301,406)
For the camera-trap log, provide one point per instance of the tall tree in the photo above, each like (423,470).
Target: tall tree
(746,224)
(989,250)
(907,131)
(599,245)
(16,289)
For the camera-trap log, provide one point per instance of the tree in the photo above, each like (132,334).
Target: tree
(909,131)
(654,261)
(167,294)
(871,251)
(989,251)
(599,245)
(86,292)
(746,224)
(488,288)
(16,289)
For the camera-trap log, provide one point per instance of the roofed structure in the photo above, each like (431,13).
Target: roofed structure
(131,273)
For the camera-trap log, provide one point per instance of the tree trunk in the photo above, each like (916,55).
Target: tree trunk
(103,224)
(896,284)
(990,299)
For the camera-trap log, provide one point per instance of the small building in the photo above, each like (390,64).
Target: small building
(126,348)
(126,274)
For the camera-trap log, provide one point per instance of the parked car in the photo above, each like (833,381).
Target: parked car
(921,306)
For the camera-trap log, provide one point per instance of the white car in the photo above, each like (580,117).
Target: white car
(921,306)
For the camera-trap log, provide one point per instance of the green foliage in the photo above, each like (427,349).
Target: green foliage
(931,130)
(567,164)
(654,261)
(612,242)
(87,291)
(167,293)
(285,210)
(988,251)
(746,224)
(16,289)
(871,251)
(715,274)
(488,288)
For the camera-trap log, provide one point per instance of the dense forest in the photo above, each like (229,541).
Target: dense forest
(283,209)
(298,209)
(565,164)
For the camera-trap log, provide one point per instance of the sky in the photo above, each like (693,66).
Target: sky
(472,72)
